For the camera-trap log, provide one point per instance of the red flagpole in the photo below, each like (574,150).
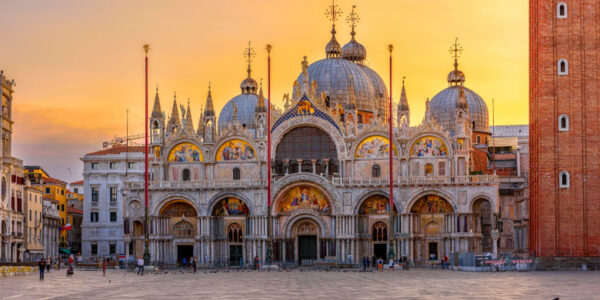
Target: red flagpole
(147,225)
(269,258)
(391,154)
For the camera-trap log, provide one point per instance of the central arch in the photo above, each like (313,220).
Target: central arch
(433,215)
(306,149)
(178,220)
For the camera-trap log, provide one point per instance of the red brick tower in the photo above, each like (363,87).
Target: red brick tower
(565,131)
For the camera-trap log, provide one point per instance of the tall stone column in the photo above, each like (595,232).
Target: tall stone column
(299,165)
(314,165)
(495,236)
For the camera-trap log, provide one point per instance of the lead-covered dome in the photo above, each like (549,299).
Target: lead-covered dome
(246,105)
(443,105)
(333,77)
(354,51)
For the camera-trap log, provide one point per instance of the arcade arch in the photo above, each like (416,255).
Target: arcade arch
(306,149)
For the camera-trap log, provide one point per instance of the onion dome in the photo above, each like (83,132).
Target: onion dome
(444,105)
(333,48)
(354,51)
(248,85)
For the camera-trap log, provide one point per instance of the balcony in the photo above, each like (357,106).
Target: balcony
(94,204)
(210,184)
(112,204)
(419,181)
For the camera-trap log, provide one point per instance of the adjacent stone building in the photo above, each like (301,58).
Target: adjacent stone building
(105,174)
(564,108)
(34,221)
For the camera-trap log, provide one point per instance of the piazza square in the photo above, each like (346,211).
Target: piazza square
(308,284)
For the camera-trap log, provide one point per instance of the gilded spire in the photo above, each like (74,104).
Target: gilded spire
(209,110)
(353,19)
(260,106)
(333,48)
(175,120)
(403,99)
(188,125)
(456,76)
(248,85)
(156,110)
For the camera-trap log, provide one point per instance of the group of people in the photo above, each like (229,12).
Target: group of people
(379,262)
(45,264)
(191,263)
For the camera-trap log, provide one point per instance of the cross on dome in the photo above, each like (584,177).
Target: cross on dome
(353,18)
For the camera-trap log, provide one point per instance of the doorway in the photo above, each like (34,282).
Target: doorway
(307,247)
(184,251)
(380,250)
(433,251)
(235,255)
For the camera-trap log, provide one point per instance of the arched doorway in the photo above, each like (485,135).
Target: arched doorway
(178,219)
(379,236)
(432,215)
(235,237)
(373,220)
(229,225)
(306,149)
(137,245)
(307,236)
(482,212)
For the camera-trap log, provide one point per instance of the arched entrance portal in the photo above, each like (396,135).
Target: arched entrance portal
(180,218)
(373,220)
(229,225)
(482,210)
(433,213)
(307,237)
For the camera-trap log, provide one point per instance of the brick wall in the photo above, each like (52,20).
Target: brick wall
(564,221)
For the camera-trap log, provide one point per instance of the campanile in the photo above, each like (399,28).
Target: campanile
(564,71)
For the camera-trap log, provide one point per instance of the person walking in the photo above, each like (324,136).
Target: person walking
(140,263)
(391,266)
(48,263)
(256,263)
(374,261)
(71,260)
(380,264)
(184,264)
(445,262)
(42,266)
(58,263)
(104,263)
(365,262)
(194,264)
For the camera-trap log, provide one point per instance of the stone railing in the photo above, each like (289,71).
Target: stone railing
(209,184)
(418,180)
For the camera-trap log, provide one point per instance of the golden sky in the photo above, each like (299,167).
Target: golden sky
(78,65)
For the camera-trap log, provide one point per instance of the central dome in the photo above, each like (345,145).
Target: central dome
(333,76)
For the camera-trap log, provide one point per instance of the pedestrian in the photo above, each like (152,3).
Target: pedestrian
(104,263)
(350,258)
(391,269)
(42,266)
(374,261)
(365,262)
(445,261)
(195,264)
(140,264)
(380,264)
(48,263)
(71,260)
(58,263)
(184,264)
(256,263)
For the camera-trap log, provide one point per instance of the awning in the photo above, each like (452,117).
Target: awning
(65,251)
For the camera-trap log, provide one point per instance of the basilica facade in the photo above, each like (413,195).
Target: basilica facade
(330,173)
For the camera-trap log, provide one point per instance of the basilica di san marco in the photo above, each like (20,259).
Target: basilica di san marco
(330,172)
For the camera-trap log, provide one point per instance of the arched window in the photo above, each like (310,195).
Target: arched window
(379,233)
(564,179)
(563,67)
(234,233)
(183,229)
(478,140)
(236,174)
(186,175)
(360,119)
(375,171)
(428,169)
(563,123)
(561,10)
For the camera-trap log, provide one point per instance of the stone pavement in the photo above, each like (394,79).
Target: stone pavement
(412,284)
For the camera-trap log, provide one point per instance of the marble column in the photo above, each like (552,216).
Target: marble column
(314,165)
(299,165)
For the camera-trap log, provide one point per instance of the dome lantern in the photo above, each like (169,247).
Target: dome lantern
(456,76)
(249,85)
(333,48)
(353,50)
